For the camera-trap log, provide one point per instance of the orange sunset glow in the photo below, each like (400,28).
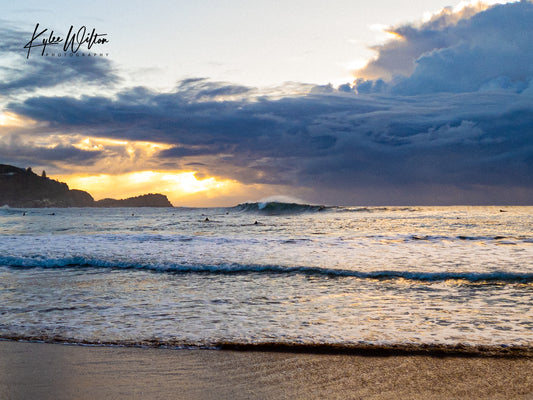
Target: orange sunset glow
(128,168)
(182,188)
(13,120)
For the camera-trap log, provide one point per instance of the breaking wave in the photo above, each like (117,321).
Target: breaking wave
(278,208)
(496,277)
(360,348)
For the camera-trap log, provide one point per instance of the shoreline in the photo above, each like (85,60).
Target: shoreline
(54,371)
(350,349)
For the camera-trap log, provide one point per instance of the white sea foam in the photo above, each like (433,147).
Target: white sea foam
(425,275)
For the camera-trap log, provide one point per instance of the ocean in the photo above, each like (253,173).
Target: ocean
(276,275)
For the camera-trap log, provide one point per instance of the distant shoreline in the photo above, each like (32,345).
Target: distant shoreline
(22,188)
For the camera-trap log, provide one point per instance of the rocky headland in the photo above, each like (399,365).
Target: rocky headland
(22,188)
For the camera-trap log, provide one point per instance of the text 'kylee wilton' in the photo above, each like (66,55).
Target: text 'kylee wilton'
(71,43)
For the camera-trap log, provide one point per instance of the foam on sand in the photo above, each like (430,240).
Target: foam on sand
(46,371)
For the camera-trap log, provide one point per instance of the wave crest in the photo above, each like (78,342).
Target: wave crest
(278,208)
(496,277)
(383,349)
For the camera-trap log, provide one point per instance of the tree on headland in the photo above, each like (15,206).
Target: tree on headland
(21,188)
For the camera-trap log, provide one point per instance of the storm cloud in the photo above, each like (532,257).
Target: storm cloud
(450,122)
(466,51)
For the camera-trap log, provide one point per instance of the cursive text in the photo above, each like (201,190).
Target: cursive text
(73,41)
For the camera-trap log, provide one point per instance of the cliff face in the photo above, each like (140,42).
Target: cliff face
(22,188)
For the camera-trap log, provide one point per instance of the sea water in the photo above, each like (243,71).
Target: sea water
(268,273)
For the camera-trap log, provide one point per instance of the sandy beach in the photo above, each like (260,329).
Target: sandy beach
(56,371)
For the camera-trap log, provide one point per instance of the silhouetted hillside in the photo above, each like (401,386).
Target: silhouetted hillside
(23,188)
(146,200)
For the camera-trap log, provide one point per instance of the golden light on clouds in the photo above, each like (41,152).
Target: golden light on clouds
(112,156)
(7,119)
(392,35)
(131,147)
(12,120)
(187,182)
(104,174)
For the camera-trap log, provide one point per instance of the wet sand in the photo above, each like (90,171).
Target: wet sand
(58,371)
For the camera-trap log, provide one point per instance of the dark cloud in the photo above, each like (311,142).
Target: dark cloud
(202,89)
(329,142)
(454,124)
(398,57)
(458,52)
(28,154)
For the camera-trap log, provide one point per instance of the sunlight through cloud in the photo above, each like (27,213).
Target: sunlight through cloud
(174,184)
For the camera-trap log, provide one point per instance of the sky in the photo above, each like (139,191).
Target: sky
(214,103)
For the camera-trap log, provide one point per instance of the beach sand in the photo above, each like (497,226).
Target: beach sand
(58,371)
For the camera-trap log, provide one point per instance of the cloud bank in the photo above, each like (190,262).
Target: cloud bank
(470,50)
(442,115)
